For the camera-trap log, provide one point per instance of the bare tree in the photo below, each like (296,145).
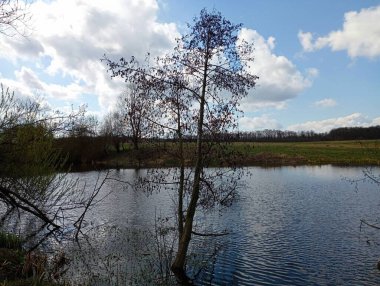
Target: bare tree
(83,126)
(207,75)
(14,17)
(216,62)
(33,181)
(137,106)
(113,128)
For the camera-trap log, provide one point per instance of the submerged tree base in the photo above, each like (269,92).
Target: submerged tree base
(181,276)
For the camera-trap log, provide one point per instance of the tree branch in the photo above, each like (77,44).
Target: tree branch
(210,234)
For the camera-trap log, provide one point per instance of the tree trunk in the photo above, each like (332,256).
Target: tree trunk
(135,142)
(178,266)
(182,173)
(116,145)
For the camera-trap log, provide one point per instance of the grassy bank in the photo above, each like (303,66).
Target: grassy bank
(19,268)
(346,153)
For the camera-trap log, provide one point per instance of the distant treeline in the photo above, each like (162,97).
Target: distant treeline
(344,133)
(85,149)
(271,135)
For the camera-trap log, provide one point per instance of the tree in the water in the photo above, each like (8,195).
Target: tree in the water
(202,80)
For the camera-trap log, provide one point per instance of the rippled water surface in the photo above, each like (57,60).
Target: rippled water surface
(290,226)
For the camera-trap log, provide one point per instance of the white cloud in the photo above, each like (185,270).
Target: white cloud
(28,84)
(312,72)
(70,36)
(279,80)
(306,41)
(258,123)
(359,36)
(327,102)
(352,120)
(376,121)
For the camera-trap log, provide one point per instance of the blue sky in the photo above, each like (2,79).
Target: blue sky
(318,61)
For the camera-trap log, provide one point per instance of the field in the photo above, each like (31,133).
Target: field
(346,153)
(314,153)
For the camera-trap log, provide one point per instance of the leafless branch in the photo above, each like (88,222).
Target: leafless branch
(14,17)
(210,234)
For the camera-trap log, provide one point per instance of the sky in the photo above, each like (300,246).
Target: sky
(318,60)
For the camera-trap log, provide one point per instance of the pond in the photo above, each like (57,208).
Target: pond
(289,226)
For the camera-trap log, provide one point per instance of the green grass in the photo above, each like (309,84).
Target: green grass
(10,240)
(311,153)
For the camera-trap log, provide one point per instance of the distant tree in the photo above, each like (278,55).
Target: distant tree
(138,109)
(208,70)
(83,126)
(355,133)
(113,128)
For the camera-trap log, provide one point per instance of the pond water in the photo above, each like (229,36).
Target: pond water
(289,226)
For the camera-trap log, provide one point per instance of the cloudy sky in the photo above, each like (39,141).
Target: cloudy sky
(318,60)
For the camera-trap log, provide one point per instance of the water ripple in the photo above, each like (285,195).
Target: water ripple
(292,226)
(294,229)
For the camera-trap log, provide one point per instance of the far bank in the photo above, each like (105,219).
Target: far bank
(164,154)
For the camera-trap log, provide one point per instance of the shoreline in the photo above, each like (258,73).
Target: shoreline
(270,154)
